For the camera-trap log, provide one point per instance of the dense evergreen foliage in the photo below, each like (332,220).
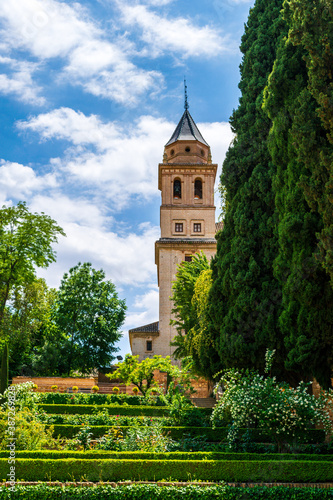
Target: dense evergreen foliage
(274,262)
(311,29)
(299,148)
(245,297)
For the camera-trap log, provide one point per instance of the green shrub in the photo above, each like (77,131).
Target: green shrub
(153,491)
(181,470)
(175,455)
(28,433)
(83,437)
(152,411)
(182,412)
(284,413)
(96,399)
(212,435)
(101,418)
(25,397)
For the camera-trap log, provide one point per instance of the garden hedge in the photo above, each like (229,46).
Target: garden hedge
(152,491)
(71,469)
(174,455)
(92,399)
(149,411)
(212,435)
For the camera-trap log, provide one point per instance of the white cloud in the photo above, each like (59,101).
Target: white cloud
(20,82)
(52,29)
(158,3)
(19,181)
(73,126)
(148,305)
(127,259)
(46,28)
(121,161)
(180,35)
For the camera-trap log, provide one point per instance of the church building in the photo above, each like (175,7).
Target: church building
(186,180)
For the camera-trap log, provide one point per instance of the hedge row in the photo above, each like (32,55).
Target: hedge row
(180,470)
(96,399)
(151,491)
(172,455)
(149,411)
(213,435)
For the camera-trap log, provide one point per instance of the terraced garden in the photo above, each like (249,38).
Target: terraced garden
(106,446)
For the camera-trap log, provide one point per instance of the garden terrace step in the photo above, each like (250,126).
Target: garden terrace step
(204,402)
(107,388)
(178,470)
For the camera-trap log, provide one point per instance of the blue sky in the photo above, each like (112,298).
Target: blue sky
(90,93)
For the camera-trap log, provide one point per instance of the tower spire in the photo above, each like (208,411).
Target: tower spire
(186,105)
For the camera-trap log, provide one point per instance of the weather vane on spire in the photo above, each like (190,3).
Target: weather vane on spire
(186,106)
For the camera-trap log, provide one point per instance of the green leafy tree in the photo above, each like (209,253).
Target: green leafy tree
(203,349)
(89,312)
(142,373)
(194,341)
(245,296)
(301,150)
(183,309)
(26,324)
(4,370)
(25,243)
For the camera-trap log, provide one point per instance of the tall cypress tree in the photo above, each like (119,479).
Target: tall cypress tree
(245,297)
(311,28)
(300,149)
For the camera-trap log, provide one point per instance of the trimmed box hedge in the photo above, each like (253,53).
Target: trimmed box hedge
(152,491)
(135,411)
(71,469)
(213,435)
(172,455)
(92,399)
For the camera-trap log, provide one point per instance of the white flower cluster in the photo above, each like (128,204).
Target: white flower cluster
(279,410)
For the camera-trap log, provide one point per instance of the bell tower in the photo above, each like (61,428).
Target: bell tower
(187,218)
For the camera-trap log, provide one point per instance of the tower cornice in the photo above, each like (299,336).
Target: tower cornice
(185,169)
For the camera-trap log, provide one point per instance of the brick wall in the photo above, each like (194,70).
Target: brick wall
(44,383)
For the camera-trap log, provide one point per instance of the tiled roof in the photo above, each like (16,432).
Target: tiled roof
(151,328)
(186,130)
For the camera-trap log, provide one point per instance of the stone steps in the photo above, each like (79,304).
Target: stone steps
(204,402)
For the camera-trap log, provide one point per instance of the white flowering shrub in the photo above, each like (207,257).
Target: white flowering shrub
(23,394)
(279,410)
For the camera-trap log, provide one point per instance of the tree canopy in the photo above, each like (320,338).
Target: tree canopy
(90,314)
(25,243)
(190,308)
(142,373)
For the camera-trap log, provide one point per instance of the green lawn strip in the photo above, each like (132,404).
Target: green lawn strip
(148,411)
(213,435)
(71,469)
(175,455)
(152,491)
